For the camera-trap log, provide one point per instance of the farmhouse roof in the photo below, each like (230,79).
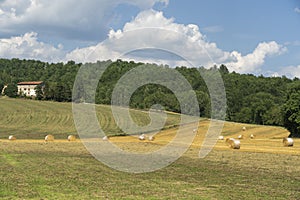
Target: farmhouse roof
(30,83)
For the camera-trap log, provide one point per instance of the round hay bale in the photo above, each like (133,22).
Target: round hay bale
(12,138)
(252,136)
(142,137)
(228,139)
(240,137)
(233,143)
(105,138)
(195,130)
(151,138)
(71,138)
(288,142)
(221,137)
(49,138)
(244,128)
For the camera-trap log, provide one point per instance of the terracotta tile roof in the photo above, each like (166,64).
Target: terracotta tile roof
(31,83)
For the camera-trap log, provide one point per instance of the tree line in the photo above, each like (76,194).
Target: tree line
(250,99)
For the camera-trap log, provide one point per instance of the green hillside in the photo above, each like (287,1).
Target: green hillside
(28,119)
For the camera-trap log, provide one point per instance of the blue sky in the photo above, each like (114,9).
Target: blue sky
(250,36)
(241,25)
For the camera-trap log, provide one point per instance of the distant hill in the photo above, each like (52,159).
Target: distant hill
(250,99)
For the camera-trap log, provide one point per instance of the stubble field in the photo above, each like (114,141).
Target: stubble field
(33,169)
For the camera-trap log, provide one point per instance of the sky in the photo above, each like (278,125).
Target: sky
(249,36)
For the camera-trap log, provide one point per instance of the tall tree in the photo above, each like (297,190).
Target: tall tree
(291,110)
(39,92)
(11,90)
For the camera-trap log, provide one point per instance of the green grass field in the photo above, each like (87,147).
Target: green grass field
(33,169)
(27,119)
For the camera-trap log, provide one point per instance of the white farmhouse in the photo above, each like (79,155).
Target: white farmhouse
(28,88)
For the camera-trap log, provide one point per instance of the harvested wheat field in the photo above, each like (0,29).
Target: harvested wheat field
(31,168)
(261,169)
(269,139)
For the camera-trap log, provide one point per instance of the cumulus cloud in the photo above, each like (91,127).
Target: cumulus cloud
(297,10)
(146,38)
(289,71)
(69,18)
(27,46)
(252,61)
(150,30)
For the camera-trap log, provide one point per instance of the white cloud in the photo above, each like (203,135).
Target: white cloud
(289,71)
(150,29)
(213,29)
(68,18)
(146,4)
(293,43)
(297,10)
(254,60)
(27,46)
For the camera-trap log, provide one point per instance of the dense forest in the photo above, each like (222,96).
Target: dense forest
(250,99)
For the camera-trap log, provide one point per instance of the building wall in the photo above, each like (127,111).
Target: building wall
(28,90)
